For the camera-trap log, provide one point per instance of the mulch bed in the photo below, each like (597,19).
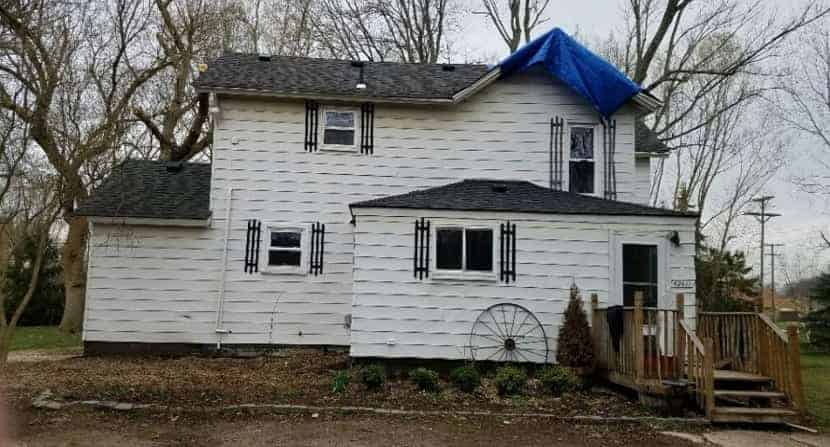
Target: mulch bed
(301,376)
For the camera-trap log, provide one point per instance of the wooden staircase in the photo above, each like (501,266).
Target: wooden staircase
(738,366)
(746,397)
(763,381)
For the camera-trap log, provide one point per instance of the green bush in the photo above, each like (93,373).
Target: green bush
(373,376)
(425,379)
(466,378)
(557,380)
(510,380)
(340,381)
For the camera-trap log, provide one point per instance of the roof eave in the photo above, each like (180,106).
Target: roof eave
(647,101)
(341,98)
(651,154)
(669,213)
(152,221)
(482,83)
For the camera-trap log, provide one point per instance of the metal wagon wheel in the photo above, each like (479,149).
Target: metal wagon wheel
(508,333)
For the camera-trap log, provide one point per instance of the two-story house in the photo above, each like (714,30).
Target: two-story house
(399,210)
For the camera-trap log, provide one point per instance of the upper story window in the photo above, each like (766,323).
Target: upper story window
(582,162)
(339,129)
(464,249)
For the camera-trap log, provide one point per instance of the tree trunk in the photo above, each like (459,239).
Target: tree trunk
(5,344)
(73,260)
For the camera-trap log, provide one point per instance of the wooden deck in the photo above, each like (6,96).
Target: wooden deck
(738,367)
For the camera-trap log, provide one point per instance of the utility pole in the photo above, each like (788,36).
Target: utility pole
(763,217)
(772,255)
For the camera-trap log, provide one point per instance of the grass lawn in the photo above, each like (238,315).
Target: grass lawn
(43,337)
(815,372)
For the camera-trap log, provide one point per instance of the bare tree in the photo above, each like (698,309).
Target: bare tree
(79,66)
(35,211)
(173,114)
(290,29)
(413,31)
(804,104)
(520,19)
(710,63)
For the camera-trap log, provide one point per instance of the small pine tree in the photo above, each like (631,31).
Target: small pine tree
(575,347)
(818,322)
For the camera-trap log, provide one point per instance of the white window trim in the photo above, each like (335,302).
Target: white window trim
(463,275)
(617,240)
(598,157)
(302,269)
(340,147)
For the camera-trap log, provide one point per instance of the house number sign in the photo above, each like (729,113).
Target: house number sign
(683,284)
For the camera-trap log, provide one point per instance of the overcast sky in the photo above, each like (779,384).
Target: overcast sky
(803,215)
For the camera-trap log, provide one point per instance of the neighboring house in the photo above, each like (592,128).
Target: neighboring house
(389,208)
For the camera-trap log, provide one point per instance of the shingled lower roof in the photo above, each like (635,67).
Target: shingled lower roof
(512,196)
(313,78)
(646,140)
(152,190)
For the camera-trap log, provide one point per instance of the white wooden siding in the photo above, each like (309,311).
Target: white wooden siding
(152,284)
(166,288)
(397,315)
(642,180)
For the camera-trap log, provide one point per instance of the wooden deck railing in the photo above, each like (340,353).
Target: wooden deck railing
(751,343)
(697,366)
(646,348)
(658,344)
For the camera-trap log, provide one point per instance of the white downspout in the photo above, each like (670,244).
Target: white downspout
(220,299)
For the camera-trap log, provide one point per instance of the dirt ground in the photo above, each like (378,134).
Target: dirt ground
(193,390)
(291,377)
(94,427)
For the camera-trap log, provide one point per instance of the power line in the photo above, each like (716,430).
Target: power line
(763,217)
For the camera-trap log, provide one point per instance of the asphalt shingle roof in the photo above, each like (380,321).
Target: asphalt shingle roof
(310,77)
(512,196)
(152,189)
(645,140)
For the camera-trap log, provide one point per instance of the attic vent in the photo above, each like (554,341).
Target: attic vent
(448,67)
(264,58)
(174,166)
(500,188)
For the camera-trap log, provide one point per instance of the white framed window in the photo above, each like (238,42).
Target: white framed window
(464,252)
(340,129)
(285,250)
(640,263)
(583,174)
(640,273)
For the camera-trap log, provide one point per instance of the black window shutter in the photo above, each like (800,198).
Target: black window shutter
(318,236)
(367,128)
(609,145)
(557,135)
(252,239)
(420,260)
(507,258)
(311,124)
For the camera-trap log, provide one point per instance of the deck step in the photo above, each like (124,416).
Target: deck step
(751,415)
(750,394)
(737,376)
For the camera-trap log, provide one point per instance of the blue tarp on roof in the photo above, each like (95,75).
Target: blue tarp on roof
(589,75)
